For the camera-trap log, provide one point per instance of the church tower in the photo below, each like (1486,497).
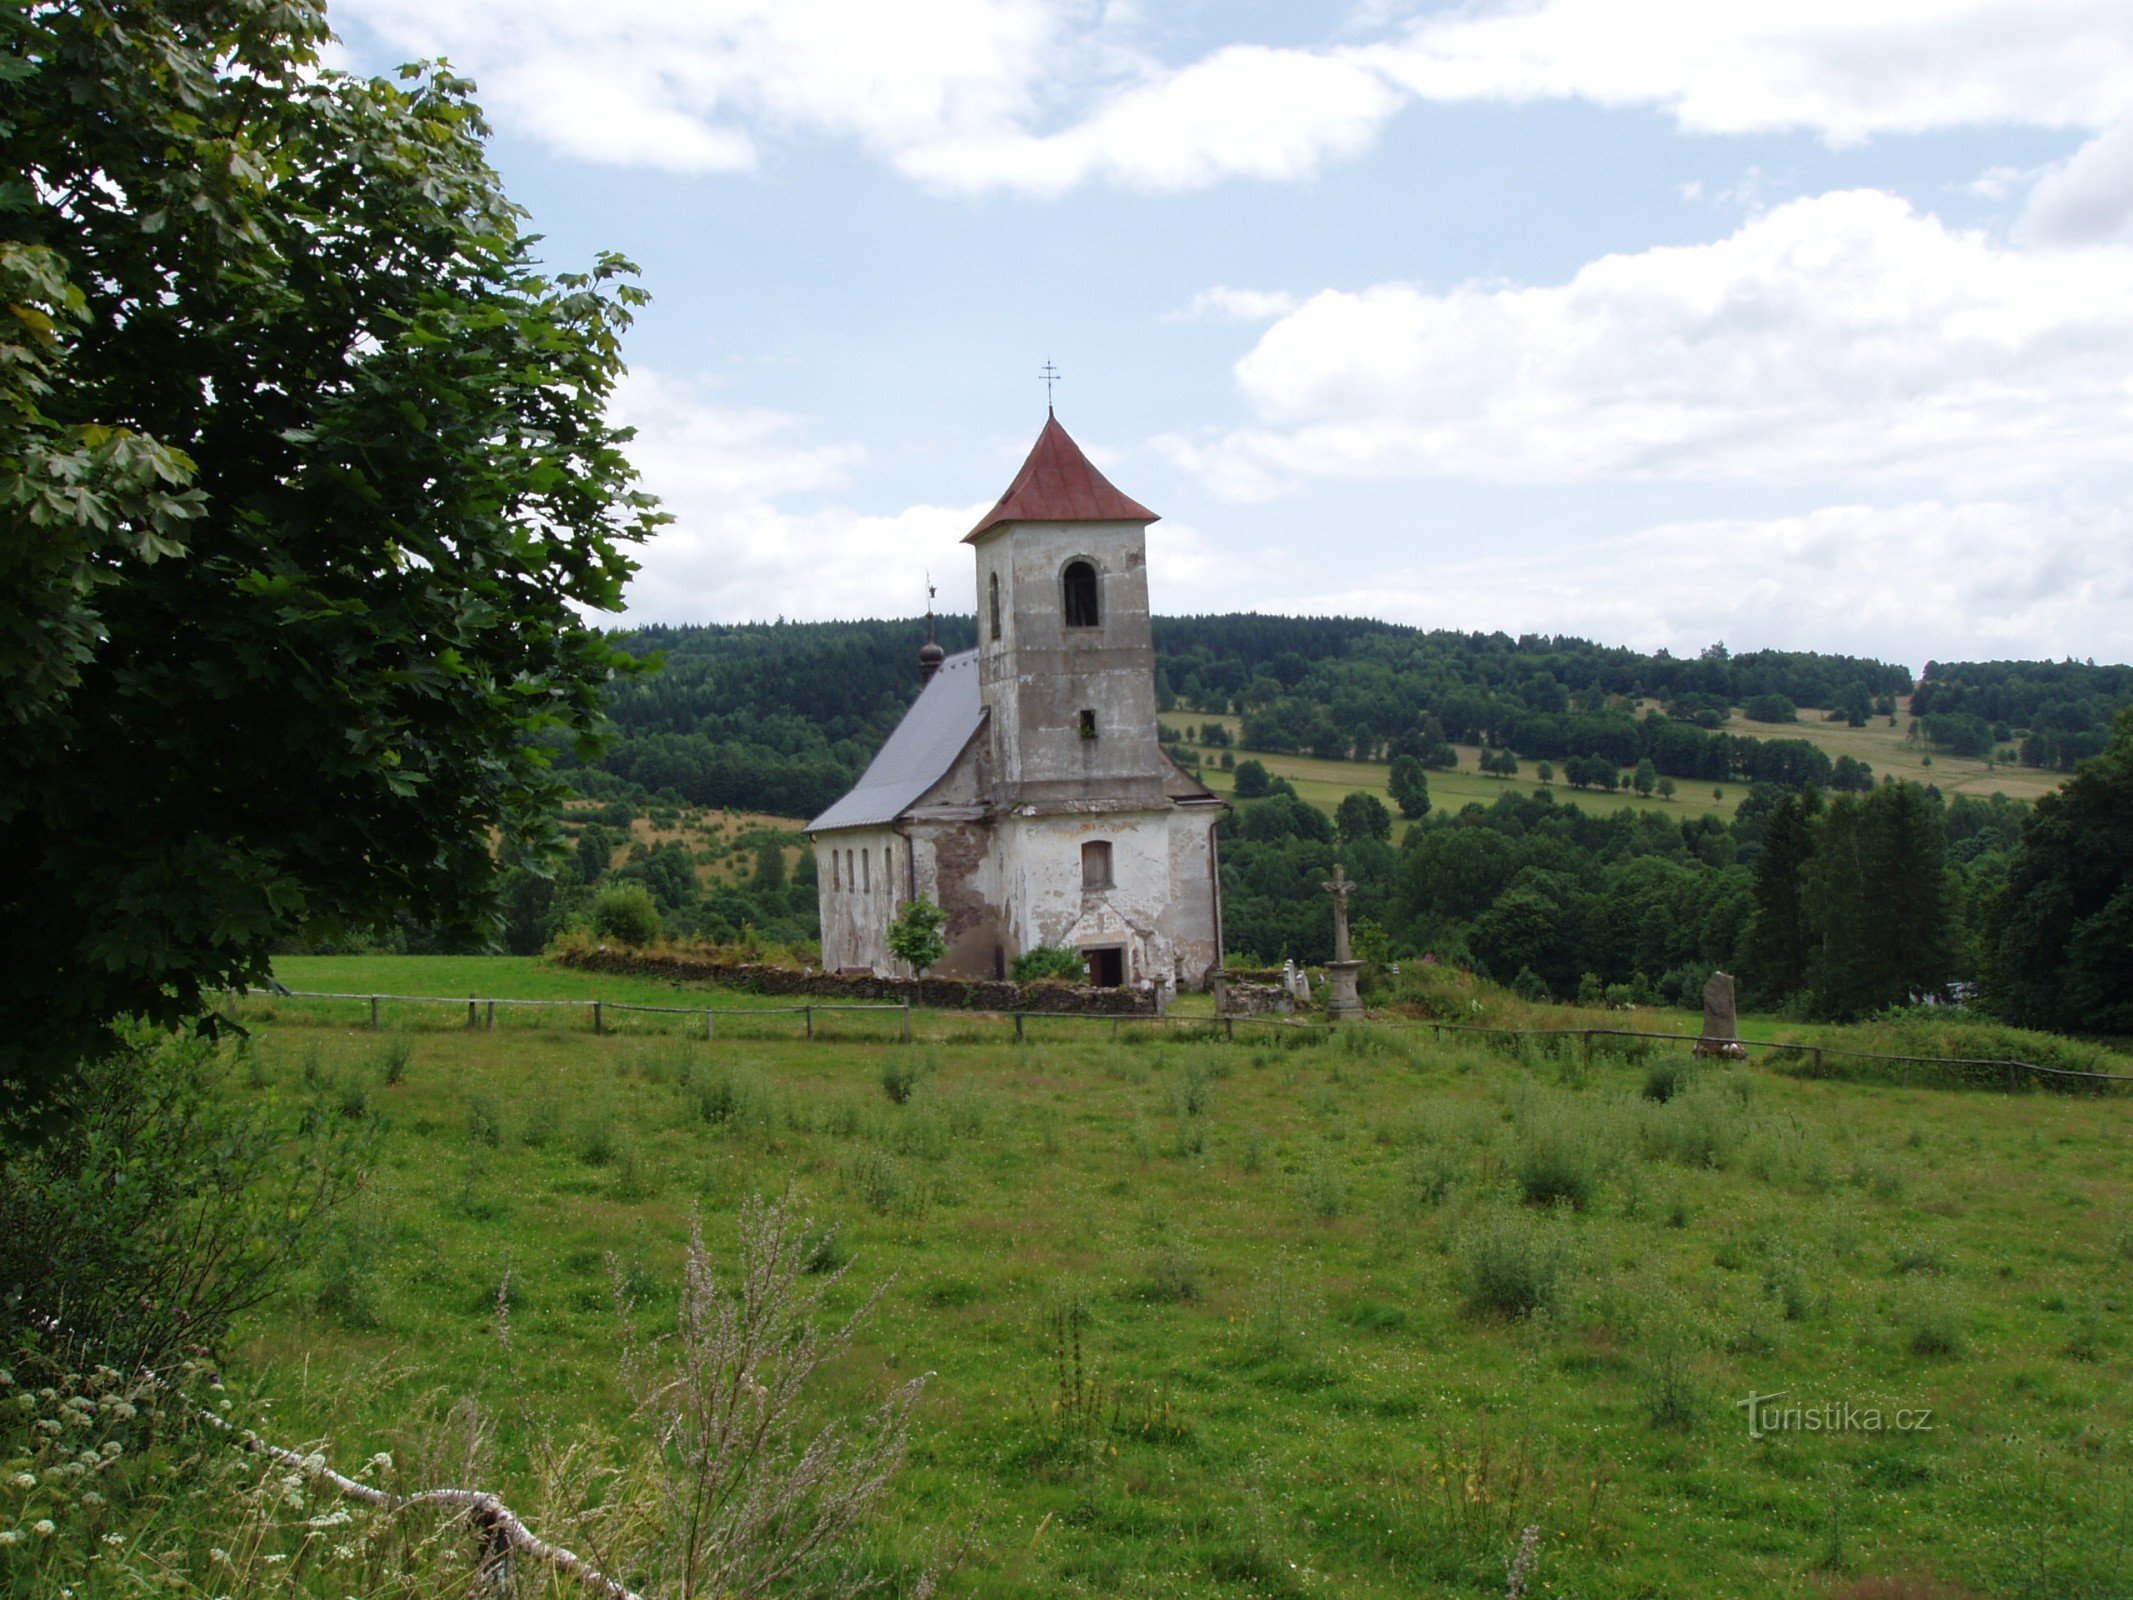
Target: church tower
(1066,663)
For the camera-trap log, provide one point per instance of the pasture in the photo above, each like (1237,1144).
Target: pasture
(1293,1315)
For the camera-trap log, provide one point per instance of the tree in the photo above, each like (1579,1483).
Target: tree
(915,936)
(2062,942)
(1877,902)
(1666,788)
(1778,936)
(1410,787)
(1362,816)
(308,476)
(1251,780)
(1647,776)
(627,913)
(1545,772)
(770,865)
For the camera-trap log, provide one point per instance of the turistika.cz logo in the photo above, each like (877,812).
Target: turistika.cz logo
(1767,1416)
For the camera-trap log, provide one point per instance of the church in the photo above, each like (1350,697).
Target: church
(1026,792)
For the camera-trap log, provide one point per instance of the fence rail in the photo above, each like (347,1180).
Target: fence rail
(481,1012)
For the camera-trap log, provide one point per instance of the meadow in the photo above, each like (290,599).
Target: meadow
(1299,1314)
(1887,749)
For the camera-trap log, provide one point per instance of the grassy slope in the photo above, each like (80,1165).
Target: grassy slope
(1326,783)
(1021,1179)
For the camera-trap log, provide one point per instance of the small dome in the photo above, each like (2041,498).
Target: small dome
(931,654)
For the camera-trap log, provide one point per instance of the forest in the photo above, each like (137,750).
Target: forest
(1792,893)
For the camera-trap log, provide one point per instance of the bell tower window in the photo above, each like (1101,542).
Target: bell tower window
(996,605)
(1082,607)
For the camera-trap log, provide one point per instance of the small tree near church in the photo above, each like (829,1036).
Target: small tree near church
(915,935)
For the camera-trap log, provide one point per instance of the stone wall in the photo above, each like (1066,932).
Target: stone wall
(947,994)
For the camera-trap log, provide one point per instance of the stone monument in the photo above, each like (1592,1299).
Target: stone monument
(1341,999)
(1721,1029)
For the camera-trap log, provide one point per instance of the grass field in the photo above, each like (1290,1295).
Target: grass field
(1338,1352)
(1886,749)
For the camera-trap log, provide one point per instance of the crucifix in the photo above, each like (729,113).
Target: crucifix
(1050,375)
(1340,888)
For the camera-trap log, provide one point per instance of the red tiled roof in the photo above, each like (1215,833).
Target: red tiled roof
(1060,484)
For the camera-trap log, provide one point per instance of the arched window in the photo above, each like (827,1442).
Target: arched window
(1096,865)
(1082,610)
(866,872)
(836,873)
(996,605)
(851,873)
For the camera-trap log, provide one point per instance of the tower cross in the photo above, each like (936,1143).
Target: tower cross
(1050,375)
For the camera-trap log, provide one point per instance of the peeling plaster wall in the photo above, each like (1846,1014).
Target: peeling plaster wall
(856,914)
(1159,909)
(1040,675)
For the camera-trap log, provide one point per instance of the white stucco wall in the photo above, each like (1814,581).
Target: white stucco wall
(859,903)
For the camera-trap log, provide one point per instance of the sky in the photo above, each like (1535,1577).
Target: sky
(1804,325)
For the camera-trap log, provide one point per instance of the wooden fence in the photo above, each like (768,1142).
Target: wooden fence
(1812,1058)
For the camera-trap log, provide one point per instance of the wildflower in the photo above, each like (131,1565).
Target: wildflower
(92,1498)
(382,1461)
(221,1558)
(43,1528)
(276,1559)
(114,1538)
(124,1411)
(25,1480)
(111,1449)
(10,1536)
(45,1425)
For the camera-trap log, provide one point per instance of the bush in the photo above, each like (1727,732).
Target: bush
(1048,962)
(626,913)
(154,1209)
(1511,1264)
(1667,1077)
(901,1073)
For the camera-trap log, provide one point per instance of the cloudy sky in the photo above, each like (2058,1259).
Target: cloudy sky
(1803,324)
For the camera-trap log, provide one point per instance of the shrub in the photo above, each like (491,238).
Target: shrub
(153,1208)
(485,1121)
(1553,1160)
(1930,1320)
(1511,1264)
(393,1061)
(626,913)
(1048,962)
(1667,1077)
(901,1073)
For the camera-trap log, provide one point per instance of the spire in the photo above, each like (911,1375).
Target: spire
(1058,483)
(930,654)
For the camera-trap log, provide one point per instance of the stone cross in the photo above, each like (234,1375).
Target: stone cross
(1340,888)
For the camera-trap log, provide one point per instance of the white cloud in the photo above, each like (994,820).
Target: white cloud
(734,552)
(1843,337)
(2087,199)
(1909,583)
(1043,95)
(1845,69)
(1244,111)
(1239,305)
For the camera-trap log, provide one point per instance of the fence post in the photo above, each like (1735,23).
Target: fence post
(470,1011)
(809,1011)
(1818,1061)
(1229,1029)
(710,1032)
(599,1022)
(2010,1077)
(492,1014)
(373,1013)
(907,1019)
(1588,1049)
(1018,1027)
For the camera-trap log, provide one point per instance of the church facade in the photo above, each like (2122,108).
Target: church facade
(1025,792)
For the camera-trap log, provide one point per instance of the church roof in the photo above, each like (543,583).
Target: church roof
(1060,484)
(918,754)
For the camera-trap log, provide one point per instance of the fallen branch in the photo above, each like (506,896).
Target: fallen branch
(503,1534)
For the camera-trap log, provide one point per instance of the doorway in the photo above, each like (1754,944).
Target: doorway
(1107,966)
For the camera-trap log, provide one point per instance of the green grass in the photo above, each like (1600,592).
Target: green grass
(1297,1272)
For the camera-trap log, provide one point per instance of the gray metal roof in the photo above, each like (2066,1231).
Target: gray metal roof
(920,751)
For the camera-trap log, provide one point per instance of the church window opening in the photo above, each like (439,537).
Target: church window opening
(1082,610)
(1107,967)
(996,605)
(1096,865)
(1088,724)
(866,872)
(836,872)
(851,873)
